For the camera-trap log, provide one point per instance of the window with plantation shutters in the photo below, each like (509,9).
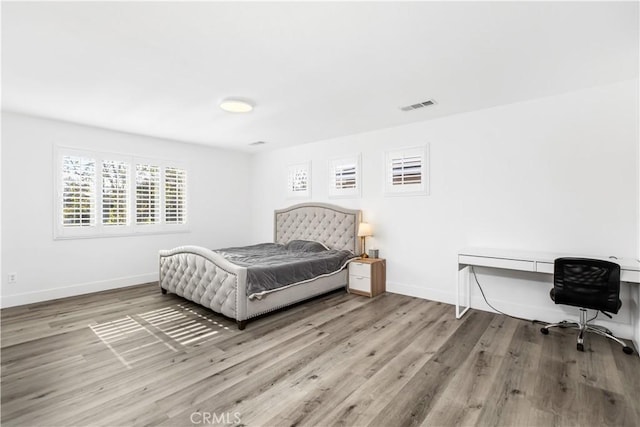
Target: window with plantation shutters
(175,190)
(147,194)
(115,192)
(109,194)
(406,171)
(344,177)
(78,191)
(299,181)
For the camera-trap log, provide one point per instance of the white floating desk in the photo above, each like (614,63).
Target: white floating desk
(536,262)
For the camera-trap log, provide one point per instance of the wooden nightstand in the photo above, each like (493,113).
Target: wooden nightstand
(367,276)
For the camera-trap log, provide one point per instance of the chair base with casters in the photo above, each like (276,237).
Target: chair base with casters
(583,327)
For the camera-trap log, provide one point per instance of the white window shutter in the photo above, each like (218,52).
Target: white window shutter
(344,177)
(406,171)
(115,193)
(78,179)
(175,192)
(299,180)
(147,194)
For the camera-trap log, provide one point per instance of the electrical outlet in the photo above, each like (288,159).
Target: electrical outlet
(13,278)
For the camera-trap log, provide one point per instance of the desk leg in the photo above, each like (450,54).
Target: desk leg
(462,280)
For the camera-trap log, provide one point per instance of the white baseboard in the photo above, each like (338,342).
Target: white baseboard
(546,314)
(421,292)
(74,290)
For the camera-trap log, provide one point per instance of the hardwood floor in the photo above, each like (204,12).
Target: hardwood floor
(136,357)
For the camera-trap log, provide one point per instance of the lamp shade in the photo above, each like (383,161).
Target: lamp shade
(364,230)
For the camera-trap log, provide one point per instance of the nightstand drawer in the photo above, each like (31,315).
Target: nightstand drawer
(360,283)
(367,276)
(360,269)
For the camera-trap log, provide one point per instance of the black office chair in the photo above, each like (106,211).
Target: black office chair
(587,283)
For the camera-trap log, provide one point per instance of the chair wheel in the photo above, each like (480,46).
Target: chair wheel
(544,331)
(627,350)
(580,347)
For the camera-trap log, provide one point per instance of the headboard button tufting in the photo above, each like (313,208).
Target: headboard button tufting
(328,224)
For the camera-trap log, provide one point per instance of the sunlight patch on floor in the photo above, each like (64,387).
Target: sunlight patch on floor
(128,340)
(132,338)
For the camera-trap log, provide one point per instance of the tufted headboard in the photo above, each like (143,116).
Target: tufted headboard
(332,225)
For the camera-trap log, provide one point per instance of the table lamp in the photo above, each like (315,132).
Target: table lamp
(364,231)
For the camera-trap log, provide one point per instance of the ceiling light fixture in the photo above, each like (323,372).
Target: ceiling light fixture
(234,105)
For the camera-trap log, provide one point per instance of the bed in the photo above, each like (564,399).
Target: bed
(209,278)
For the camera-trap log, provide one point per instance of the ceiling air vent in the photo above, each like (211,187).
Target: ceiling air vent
(418,105)
(257,143)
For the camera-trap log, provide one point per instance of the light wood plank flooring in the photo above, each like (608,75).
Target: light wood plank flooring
(136,357)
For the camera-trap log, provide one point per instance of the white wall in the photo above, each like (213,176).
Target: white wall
(557,174)
(47,268)
(553,174)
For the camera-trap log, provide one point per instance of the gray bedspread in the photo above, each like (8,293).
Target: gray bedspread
(271,266)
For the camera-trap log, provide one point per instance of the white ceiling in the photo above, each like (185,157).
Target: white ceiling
(314,70)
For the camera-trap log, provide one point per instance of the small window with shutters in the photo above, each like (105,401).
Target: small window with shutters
(344,177)
(299,180)
(406,171)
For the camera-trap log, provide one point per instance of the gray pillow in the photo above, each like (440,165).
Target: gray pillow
(305,246)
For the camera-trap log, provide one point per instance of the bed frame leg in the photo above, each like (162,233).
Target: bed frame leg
(241,324)
(164,291)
